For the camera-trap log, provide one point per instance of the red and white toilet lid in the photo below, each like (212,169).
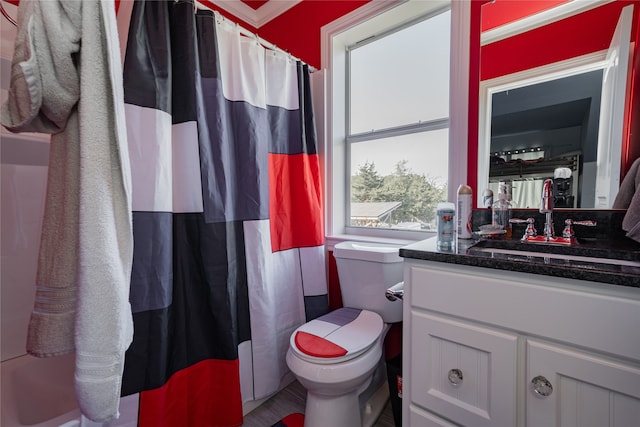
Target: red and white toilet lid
(337,336)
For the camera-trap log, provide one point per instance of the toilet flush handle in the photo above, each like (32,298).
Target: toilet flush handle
(396,292)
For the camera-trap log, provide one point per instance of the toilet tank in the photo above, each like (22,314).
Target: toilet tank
(366,271)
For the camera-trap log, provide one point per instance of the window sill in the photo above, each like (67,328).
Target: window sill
(331,241)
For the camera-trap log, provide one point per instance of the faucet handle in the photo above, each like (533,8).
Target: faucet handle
(530,231)
(568,226)
(587,222)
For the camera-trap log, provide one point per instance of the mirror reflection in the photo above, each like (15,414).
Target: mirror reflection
(547,130)
(562,120)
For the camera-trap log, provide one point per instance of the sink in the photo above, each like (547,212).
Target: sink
(584,253)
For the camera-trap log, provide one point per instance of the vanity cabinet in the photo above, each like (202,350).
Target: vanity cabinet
(587,390)
(486,347)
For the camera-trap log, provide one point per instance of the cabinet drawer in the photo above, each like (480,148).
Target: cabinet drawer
(570,311)
(466,373)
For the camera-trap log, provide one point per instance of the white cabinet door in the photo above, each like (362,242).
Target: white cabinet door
(580,389)
(463,372)
(422,418)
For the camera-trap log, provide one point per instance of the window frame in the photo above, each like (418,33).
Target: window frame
(378,18)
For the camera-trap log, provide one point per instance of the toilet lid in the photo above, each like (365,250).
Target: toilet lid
(337,336)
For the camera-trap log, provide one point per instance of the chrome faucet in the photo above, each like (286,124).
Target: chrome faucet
(546,207)
(548,235)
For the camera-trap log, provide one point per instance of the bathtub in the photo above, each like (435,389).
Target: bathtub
(39,393)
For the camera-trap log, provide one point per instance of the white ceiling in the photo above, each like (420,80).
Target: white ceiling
(255,18)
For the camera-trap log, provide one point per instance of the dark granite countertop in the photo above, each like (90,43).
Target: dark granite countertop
(466,253)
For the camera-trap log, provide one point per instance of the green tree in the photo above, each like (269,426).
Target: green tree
(418,193)
(366,184)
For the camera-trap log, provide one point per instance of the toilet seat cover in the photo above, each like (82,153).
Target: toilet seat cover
(337,336)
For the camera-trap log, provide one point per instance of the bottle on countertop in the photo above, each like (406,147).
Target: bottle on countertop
(501,212)
(465,199)
(445,218)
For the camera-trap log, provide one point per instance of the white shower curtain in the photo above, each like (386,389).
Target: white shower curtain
(228,227)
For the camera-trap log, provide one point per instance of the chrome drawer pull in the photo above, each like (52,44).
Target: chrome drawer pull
(541,386)
(455,377)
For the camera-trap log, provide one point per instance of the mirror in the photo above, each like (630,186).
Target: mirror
(562,120)
(539,128)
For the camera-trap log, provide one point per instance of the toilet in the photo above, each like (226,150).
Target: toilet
(338,357)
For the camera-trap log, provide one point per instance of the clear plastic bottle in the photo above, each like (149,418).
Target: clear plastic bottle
(501,213)
(487,198)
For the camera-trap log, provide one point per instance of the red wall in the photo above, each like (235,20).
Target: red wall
(554,42)
(497,13)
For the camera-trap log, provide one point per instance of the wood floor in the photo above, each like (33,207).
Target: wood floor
(292,399)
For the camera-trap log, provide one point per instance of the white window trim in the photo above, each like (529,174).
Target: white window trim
(334,37)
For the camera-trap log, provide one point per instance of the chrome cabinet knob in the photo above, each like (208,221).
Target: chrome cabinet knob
(541,386)
(455,377)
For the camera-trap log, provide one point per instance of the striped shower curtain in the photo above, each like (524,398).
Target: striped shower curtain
(227,215)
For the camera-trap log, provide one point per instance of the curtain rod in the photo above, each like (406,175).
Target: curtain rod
(248,33)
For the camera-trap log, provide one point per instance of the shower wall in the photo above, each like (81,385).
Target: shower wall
(23,177)
(23,182)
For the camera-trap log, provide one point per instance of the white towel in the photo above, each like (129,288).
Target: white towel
(67,80)
(43,97)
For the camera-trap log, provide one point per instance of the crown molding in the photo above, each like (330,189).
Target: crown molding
(256,18)
(540,19)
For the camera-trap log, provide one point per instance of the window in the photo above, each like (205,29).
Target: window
(397,119)
(389,128)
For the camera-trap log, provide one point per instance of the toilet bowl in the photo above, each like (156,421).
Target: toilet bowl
(338,357)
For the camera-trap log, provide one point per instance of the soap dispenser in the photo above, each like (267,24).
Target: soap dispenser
(501,212)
